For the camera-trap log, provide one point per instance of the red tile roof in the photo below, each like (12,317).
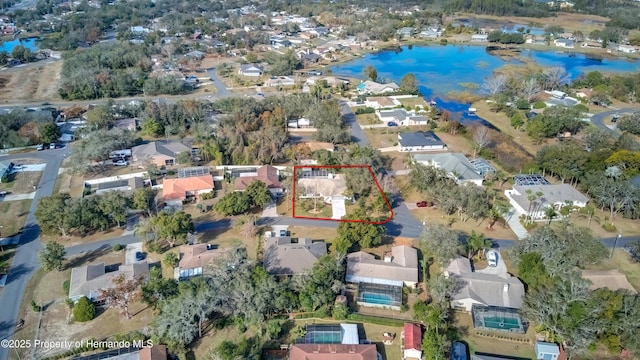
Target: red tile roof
(267,174)
(333,352)
(174,189)
(412,337)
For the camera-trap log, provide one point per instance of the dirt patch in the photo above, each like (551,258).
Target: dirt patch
(435,215)
(456,143)
(31,83)
(569,21)
(624,263)
(13,214)
(21,182)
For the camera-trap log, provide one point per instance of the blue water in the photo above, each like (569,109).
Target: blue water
(29,43)
(441,69)
(380,299)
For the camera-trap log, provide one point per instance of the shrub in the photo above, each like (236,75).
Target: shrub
(609,227)
(171,259)
(517,121)
(274,328)
(581,108)
(522,104)
(539,105)
(340,312)
(116,247)
(84,310)
(208,195)
(365,110)
(444,41)
(35,307)
(153,247)
(69,303)
(65,287)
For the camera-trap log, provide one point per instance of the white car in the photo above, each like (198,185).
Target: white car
(121,163)
(492,258)
(40,147)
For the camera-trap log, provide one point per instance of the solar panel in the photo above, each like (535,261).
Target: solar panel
(193,171)
(532,179)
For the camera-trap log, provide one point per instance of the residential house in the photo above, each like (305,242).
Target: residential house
(430,34)
(321,184)
(455,164)
(155,352)
(536,40)
(162,153)
(267,174)
(480,37)
(5,170)
(547,351)
(139,30)
(126,185)
(177,190)
(406,32)
(419,141)
(252,70)
(193,260)
(310,59)
(276,81)
(378,102)
(565,4)
(90,279)
(483,288)
(628,49)
(195,54)
(372,88)
(591,45)
(402,117)
(130,124)
(555,196)
(299,123)
(564,43)
(610,279)
(333,352)
(396,269)
(583,93)
(287,256)
(412,342)
(320,31)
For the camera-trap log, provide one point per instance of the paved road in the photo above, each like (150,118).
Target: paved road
(403,223)
(25,262)
(220,88)
(598,119)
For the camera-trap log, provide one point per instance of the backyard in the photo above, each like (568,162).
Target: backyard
(13,214)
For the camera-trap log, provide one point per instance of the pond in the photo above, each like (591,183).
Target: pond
(29,43)
(442,69)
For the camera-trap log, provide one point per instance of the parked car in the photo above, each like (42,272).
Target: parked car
(139,256)
(121,163)
(3,193)
(492,258)
(421,204)
(40,147)
(615,117)
(283,233)
(392,123)
(52,146)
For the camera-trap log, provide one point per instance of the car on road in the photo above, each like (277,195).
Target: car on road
(40,147)
(139,256)
(615,117)
(121,162)
(392,123)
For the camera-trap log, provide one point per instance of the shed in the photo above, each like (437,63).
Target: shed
(547,351)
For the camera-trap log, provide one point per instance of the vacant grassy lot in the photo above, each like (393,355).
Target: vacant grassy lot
(413,101)
(13,214)
(69,184)
(21,182)
(624,263)
(368,119)
(5,258)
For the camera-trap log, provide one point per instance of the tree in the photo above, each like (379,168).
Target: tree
(371,73)
(171,259)
(530,89)
(49,132)
(115,205)
(550,213)
(233,203)
(249,230)
(52,256)
(100,117)
(157,290)
(259,193)
(321,286)
(556,76)
(482,136)
(122,294)
(340,312)
(173,227)
(52,214)
(152,127)
(532,271)
(144,199)
(494,85)
(409,84)
(476,243)
(84,310)
(439,242)
(363,233)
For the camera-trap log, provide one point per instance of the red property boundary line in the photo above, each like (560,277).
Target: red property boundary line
(375,180)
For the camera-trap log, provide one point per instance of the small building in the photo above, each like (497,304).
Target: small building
(267,174)
(547,351)
(90,279)
(276,81)
(162,153)
(564,43)
(419,141)
(194,259)
(412,342)
(480,37)
(555,196)
(456,165)
(287,256)
(397,269)
(252,70)
(406,32)
(372,88)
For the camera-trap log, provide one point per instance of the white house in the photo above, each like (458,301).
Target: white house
(555,196)
(396,269)
(378,102)
(564,43)
(455,164)
(372,87)
(419,141)
(547,351)
(628,49)
(402,117)
(280,81)
(479,37)
(252,70)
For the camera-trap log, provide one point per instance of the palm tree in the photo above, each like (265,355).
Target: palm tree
(496,212)
(476,243)
(550,213)
(589,212)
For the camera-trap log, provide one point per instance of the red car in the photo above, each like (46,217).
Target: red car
(421,204)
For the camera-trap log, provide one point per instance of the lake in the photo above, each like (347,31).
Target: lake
(29,43)
(442,69)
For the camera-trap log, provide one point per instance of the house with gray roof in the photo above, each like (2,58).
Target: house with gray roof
(455,164)
(419,141)
(406,32)
(371,88)
(398,268)
(253,70)
(288,256)
(483,288)
(161,153)
(550,195)
(89,280)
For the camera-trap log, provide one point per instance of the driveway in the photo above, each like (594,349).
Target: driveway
(16,197)
(388,149)
(500,270)
(130,252)
(338,208)
(221,90)
(270,210)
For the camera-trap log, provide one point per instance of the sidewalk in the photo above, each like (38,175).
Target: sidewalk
(514,223)
(17,197)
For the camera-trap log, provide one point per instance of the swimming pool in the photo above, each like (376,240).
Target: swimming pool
(501,323)
(379,299)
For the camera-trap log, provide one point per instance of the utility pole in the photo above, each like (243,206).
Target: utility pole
(615,243)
